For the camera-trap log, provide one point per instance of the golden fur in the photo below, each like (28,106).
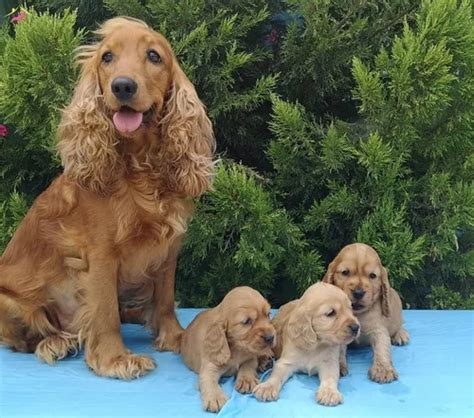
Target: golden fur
(105,235)
(379,310)
(227,340)
(310,332)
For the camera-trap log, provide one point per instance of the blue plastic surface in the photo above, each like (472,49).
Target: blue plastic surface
(436,380)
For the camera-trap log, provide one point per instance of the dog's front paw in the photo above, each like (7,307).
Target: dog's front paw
(401,337)
(246,384)
(213,402)
(382,374)
(266,392)
(343,369)
(264,363)
(169,340)
(126,366)
(328,397)
(56,347)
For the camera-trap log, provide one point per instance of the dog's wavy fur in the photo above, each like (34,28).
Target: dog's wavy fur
(105,235)
(379,310)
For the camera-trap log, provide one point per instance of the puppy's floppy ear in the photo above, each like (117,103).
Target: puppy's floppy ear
(86,142)
(385,294)
(329,276)
(189,139)
(216,348)
(300,329)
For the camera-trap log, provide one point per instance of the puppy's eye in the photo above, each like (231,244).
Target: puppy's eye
(269,314)
(153,56)
(248,321)
(107,57)
(345,272)
(330,313)
(372,276)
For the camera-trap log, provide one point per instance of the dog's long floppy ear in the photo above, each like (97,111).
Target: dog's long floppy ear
(329,276)
(385,294)
(188,135)
(300,329)
(86,141)
(216,348)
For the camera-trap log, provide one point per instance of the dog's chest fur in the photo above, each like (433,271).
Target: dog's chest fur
(147,226)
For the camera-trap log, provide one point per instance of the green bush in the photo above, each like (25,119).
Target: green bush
(338,121)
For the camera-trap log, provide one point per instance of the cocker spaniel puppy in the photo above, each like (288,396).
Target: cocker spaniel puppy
(310,332)
(136,146)
(358,271)
(228,340)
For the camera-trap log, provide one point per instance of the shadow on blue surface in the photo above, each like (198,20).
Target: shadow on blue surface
(436,380)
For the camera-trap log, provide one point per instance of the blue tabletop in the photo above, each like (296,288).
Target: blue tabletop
(436,380)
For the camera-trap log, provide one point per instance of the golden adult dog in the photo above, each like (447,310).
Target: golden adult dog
(136,145)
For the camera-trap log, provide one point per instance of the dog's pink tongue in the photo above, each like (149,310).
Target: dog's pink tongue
(127,121)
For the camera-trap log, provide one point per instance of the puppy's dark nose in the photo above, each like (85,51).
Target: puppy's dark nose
(269,338)
(358,293)
(354,328)
(124,88)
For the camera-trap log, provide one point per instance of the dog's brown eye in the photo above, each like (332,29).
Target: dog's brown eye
(153,56)
(107,57)
(372,275)
(248,321)
(345,272)
(331,312)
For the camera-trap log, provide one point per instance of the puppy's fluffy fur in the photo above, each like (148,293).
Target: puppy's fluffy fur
(227,340)
(310,332)
(358,271)
(105,235)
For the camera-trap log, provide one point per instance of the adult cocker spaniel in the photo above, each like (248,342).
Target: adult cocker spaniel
(136,146)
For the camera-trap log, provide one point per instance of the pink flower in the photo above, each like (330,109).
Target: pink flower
(273,37)
(3,130)
(19,17)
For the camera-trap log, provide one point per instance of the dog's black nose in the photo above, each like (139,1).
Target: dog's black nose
(269,338)
(354,328)
(124,88)
(358,293)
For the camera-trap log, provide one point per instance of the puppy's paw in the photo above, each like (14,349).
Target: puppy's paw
(56,347)
(168,340)
(401,337)
(264,363)
(343,369)
(382,374)
(328,397)
(127,366)
(213,402)
(266,391)
(246,384)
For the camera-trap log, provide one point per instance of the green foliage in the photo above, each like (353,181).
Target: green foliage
(322,39)
(443,298)
(355,116)
(238,238)
(12,210)
(37,75)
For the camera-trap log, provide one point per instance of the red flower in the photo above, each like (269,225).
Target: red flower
(3,130)
(19,17)
(273,37)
